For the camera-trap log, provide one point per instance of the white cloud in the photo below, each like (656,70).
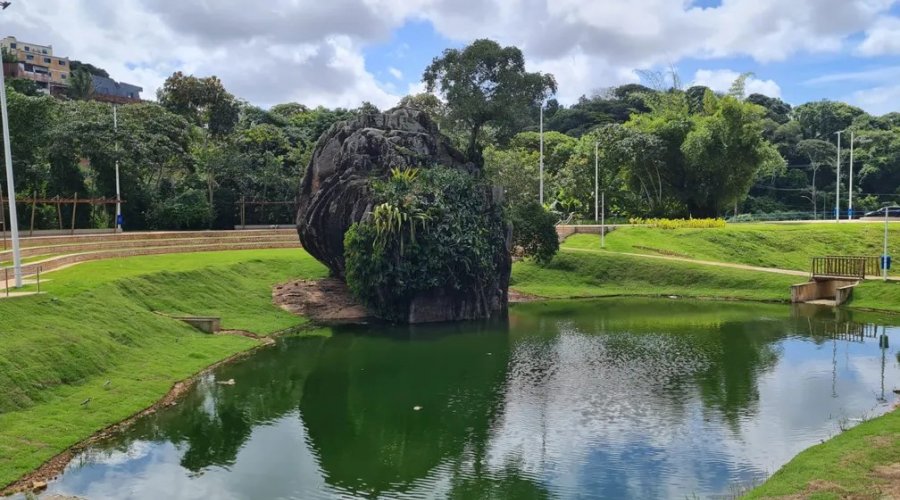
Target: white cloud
(311,51)
(882,39)
(877,100)
(396,73)
(720,80)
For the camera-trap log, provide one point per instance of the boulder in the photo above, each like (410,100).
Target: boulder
(335,193)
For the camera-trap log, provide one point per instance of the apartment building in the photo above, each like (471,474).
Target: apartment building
(37,63)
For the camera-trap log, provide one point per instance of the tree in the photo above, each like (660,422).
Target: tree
(202,101)
(486,84)
(76,65)
(819,153)
(823,119)
(724,152)
(81,85)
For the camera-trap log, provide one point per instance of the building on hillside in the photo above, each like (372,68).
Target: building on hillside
(36,63)
(109,90)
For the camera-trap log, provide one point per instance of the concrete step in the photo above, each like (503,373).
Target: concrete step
(120,244)
(70,259)
(38,241)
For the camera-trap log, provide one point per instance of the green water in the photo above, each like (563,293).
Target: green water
(597,399)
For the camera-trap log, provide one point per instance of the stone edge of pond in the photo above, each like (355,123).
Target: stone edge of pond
(37,479)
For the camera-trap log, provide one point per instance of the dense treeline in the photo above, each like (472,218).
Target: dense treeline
(185,162)
(661,150)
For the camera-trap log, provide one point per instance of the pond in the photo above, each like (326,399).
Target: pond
(588,399)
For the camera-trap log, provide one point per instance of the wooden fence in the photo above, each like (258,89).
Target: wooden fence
(845,267)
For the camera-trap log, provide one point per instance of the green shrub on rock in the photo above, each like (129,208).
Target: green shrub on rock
(534,230)
(435,228)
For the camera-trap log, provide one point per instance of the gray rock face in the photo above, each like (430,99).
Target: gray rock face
(335,194)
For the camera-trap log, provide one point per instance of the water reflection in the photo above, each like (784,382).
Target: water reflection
(612,399)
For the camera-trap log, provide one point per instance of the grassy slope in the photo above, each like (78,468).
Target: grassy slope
(583,274)
(95,324)
(842,467)
(667,276)
(788,246)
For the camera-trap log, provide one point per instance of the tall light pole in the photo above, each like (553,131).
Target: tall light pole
(541,197)
(837,188)
(850,189)
(10,183)
(884,256)
(596,180)
(118,192)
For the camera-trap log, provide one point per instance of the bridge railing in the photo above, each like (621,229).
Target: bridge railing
(845,267)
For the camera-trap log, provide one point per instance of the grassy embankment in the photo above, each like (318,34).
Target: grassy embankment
(863,462)
(92,350)
(860,463)
(582,269)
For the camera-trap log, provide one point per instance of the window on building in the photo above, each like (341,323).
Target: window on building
(47,60)
(29,57)
(62,63)
(27,49)
(43,51)
(64,76)
(12,45)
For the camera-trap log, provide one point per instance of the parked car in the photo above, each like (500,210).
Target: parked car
(893,212)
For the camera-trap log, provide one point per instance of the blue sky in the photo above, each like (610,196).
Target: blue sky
(343,52)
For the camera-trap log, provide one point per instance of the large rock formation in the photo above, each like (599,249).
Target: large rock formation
(335,193)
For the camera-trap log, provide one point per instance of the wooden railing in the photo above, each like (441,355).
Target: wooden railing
(845,267)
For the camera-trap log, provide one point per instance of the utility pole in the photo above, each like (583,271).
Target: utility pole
(118,191)
(837,188)
(884,255)
(596,180)
(10,185)
(603,221)
(542,155)
(850,190)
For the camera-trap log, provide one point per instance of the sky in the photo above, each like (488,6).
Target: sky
(342,52)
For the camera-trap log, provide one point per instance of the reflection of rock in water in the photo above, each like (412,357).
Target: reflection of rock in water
(358,403)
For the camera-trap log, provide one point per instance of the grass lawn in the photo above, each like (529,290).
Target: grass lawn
(94,336)
(583,274)
(863,462)
(787,246)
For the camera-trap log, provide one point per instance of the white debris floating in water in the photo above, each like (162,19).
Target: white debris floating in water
(417,408)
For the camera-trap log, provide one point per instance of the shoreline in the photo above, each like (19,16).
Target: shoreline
(37,479)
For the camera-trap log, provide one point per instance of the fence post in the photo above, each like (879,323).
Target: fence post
(33,209)
(59,212)
(39,278)
(74,209)
(3,218)
(6,280)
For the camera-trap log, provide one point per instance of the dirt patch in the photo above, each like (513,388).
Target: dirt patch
(326,301)
(890,476)
(516,297)
(49,470)
(662,251)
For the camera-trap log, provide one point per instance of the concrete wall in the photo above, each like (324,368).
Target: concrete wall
(837,290)
(564,231)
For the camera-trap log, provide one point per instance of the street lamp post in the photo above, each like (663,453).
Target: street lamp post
(596,180)
(850,189)
(118,191)
(837,188)
(10,185)
(541,197)
(884,255)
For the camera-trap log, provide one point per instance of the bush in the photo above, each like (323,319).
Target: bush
(534,229)
(678,223)
(435,228)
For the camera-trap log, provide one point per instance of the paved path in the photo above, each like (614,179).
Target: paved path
(744,267)
(696,261)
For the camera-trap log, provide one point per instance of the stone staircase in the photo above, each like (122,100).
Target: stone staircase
(53,252)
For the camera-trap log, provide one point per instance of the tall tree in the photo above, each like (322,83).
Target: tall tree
(486,84)
(81,86)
